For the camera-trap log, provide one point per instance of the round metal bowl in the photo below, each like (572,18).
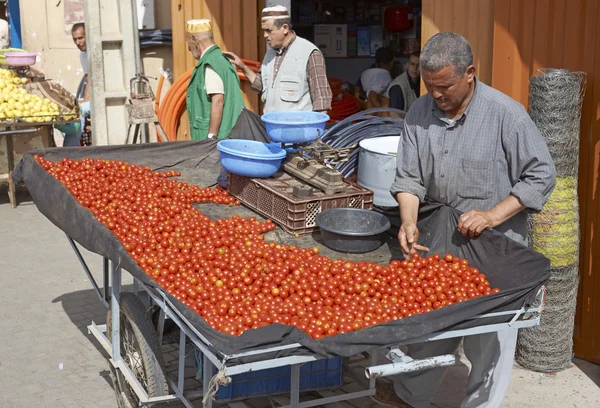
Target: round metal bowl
(352,230)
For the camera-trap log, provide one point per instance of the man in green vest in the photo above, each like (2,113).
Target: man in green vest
(214,99)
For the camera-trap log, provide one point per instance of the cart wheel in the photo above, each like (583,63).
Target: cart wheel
(139,350)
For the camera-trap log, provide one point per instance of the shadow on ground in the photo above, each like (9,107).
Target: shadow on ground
(23,196)
(590,369)
(83,307)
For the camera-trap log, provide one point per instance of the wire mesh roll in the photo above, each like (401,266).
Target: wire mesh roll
(555,98)
(548,348)
(555,230)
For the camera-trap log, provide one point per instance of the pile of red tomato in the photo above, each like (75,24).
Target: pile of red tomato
(228,274)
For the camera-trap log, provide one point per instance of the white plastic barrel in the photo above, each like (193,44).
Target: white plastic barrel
(377,168)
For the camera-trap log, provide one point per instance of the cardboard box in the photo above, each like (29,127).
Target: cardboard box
(332,39)
(363,42)
(352,40)
(376,37)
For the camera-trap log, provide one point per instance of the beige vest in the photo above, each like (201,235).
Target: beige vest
(407,92)
(289,91)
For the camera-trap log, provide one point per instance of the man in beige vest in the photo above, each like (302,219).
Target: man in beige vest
(293,74)
(405,89)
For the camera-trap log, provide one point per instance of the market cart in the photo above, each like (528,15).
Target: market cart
(133,336)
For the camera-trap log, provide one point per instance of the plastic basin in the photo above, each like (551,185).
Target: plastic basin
(20,59)
(352,230)
(295,126)
(250,158)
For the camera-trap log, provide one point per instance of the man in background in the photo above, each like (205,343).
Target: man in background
(375,81)
(4,34)
(73,134)
(283,82)
(405,89)
(214,99)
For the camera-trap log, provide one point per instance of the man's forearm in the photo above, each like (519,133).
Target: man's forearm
(216,113)
(506,209)
(251,75)
(374,99)
(409,207)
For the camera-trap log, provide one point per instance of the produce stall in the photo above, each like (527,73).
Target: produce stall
(134,340)
(30,104)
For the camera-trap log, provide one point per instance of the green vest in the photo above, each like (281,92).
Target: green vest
(198,102)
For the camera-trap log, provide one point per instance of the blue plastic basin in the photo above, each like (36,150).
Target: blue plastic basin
(250,158)
(295,126)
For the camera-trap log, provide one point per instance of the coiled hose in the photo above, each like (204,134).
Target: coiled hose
(170,109)
(360,126)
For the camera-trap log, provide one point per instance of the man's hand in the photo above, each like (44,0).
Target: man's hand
(473,223)
(234,59)
(239,64)
(408,236)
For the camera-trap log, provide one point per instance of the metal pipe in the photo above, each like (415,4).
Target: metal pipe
(409,366)
(115,315)
(105,272)
(295,386)
(207,375)
(87,270)
(18,131)
(181,370)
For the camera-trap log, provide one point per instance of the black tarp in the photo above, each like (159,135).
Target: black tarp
(515,269)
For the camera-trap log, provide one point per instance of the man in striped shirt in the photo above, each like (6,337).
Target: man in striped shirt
(293,74)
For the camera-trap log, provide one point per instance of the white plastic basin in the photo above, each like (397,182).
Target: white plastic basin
(377,168)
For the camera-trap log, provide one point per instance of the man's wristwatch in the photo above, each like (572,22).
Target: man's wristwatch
(211,136)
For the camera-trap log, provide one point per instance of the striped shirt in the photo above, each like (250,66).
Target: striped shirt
(320,92)
(492,151)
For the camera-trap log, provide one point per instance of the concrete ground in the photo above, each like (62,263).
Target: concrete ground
(47,359)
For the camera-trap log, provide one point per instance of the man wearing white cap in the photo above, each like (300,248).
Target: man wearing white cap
(293,74)
(214,99)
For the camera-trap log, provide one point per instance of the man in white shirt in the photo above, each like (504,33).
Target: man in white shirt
(375,80)
(78,33)
(4,34)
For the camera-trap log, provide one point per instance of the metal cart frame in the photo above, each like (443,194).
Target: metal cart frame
(400,363)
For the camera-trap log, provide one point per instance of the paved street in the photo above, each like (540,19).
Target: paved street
(47,359)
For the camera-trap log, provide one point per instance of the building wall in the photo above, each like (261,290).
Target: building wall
(473,19)
(562,34)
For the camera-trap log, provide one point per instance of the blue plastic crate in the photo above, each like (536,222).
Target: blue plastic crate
(320,374)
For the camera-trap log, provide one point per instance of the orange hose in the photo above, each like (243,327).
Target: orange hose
(170,109)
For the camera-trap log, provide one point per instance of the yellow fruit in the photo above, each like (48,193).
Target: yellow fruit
(23,81)
(16,81)
(19,105)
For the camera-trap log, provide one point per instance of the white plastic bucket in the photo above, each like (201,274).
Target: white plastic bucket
(377,168)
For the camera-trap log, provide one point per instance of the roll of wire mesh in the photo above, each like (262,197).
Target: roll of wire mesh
(555,99)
